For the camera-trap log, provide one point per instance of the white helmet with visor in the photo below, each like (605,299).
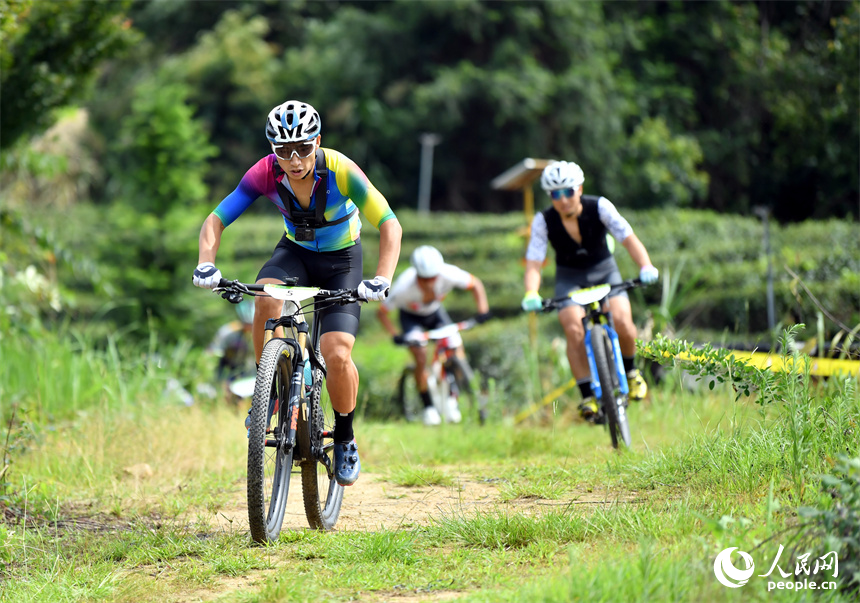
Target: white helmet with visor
(561,174)
(291,129)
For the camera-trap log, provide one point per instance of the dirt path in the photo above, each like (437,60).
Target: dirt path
(376,504)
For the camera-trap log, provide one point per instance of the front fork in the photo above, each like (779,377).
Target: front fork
(616,357)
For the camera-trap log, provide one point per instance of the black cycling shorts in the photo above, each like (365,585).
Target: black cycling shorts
(571,279)
(341,269)
(413,322)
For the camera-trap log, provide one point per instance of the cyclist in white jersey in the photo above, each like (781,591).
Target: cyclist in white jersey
(418,293)
(576,226)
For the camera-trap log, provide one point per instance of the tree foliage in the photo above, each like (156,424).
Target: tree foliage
(706,105)
(51,51)
(162,149)
(721,105)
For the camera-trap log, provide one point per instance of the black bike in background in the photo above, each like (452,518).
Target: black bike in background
(291,418)
(449,375)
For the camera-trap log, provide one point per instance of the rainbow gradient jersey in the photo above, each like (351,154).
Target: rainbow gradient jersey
(348,189)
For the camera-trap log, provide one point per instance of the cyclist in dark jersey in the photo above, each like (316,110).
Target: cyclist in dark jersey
(576,226)
(319,192)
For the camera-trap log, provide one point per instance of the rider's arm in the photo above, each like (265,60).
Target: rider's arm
(480,295)
(383,315)
(390,233)
(615,223)
(637,250)
(532,276)
(210,239)
(374,207)
(250,188)
(622,231)
(536,253)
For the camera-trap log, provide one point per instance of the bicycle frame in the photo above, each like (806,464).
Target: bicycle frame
(442,383)
(293,318)
(445,349)
(447,340)
(590,299)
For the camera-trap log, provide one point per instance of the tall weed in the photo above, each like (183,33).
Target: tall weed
(812,421)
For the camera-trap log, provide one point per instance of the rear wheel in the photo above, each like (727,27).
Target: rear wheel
(611,399)
(269,463)
(321,492)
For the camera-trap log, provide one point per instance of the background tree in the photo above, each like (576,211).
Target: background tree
(51,51)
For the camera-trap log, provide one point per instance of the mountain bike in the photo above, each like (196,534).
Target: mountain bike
(449,375)
(291,421)
(608,377)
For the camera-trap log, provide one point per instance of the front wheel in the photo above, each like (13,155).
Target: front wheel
(321,492)
(408,396)
(269,461)
(611,399)
(464,377)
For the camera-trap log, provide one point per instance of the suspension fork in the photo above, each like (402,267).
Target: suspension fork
(587,322)
(605,319)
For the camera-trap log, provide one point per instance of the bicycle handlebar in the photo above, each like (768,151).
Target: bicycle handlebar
(440,333)
(233,291)
(551,304)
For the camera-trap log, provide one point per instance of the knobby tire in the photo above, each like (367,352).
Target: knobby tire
(321,493)
(461,370)
(269,466)
(603,359)
(408,397)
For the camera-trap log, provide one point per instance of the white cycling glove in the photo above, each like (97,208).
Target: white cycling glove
(375,289)
(648,275)
(206,275)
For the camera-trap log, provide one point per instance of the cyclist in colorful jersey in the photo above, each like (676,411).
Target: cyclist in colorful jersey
(418,293)
(319,192)
(576,227)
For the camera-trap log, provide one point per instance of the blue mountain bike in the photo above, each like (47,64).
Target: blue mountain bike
(608,378)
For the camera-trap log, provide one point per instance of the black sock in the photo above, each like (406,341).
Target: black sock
(343,426)
(425,398)
(585,388)
(629,363)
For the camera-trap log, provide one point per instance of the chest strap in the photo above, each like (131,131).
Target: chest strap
(309,219)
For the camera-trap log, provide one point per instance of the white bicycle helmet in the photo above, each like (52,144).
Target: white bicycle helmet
(427,261)
(293,121)
(561,174)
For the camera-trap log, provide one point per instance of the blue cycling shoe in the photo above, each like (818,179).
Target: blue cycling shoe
(347,465)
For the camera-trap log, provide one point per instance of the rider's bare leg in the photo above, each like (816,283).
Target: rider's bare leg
(419,355)
(622,317)
(264,309)
(341,373)
(571,321)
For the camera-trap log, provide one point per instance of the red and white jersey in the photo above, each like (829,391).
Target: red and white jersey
(406,295)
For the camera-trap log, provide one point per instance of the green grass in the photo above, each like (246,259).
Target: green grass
(411,476)
(570,519)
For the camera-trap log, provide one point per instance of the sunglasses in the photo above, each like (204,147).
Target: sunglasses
(562,192)
(302,149)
